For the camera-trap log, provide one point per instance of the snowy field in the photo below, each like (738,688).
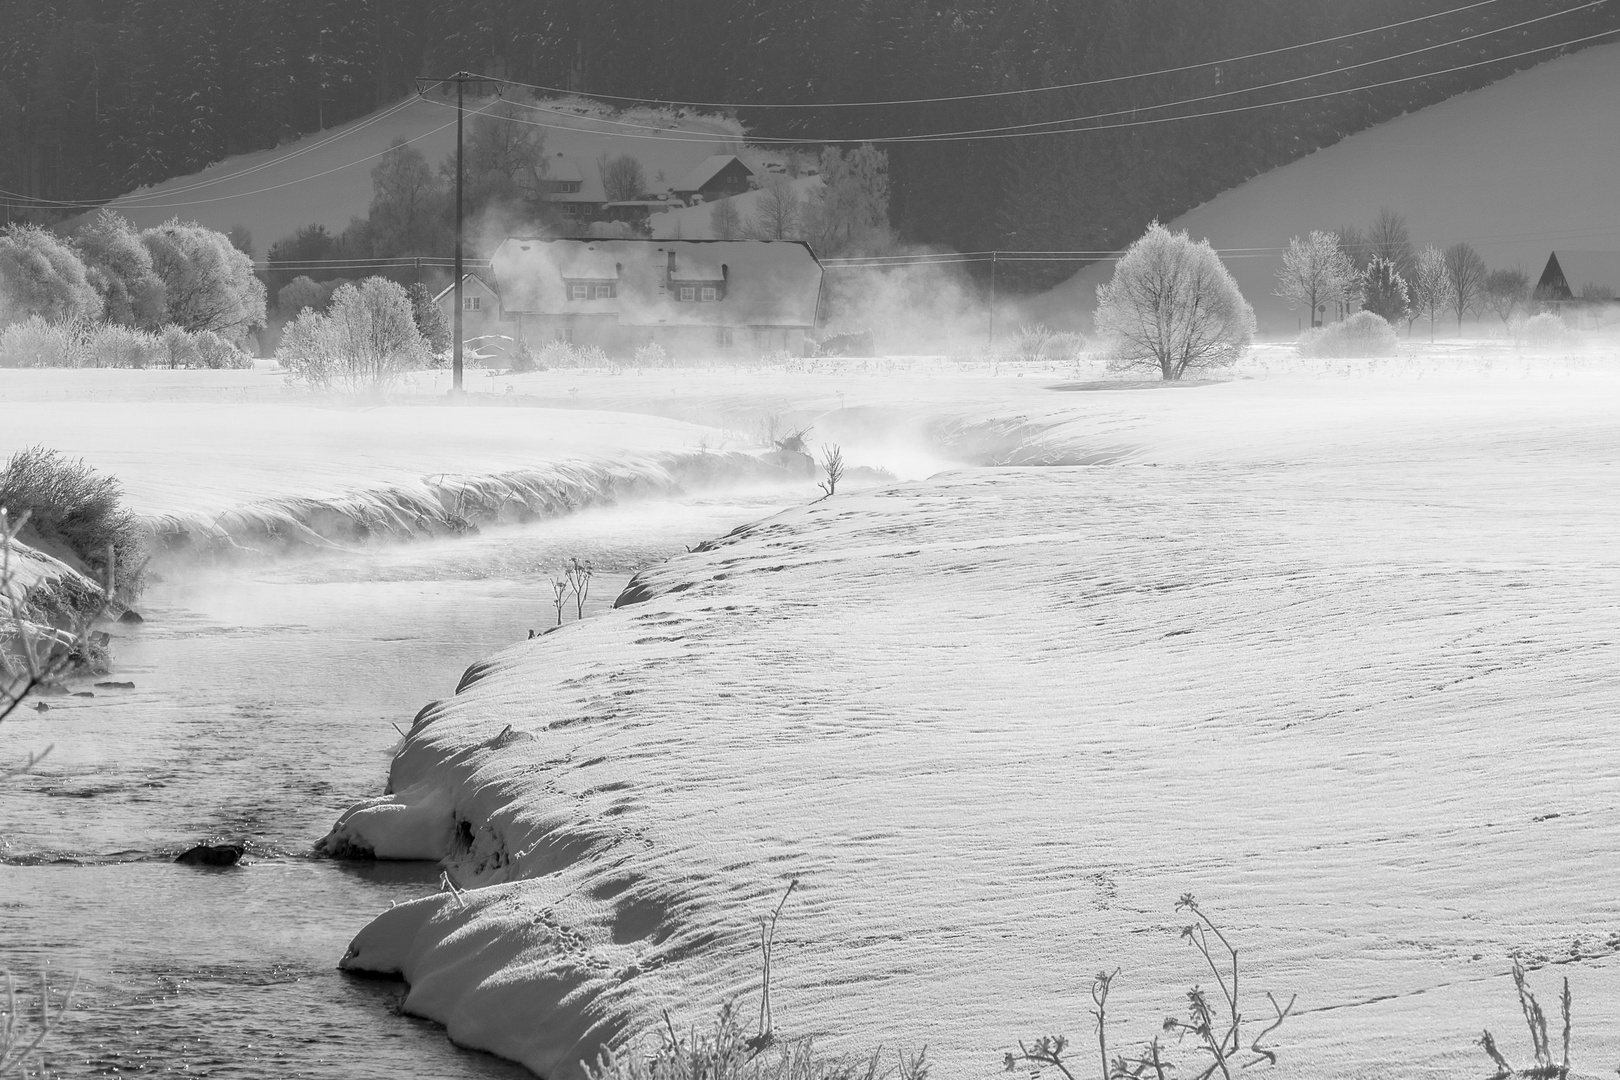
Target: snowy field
(1334,653)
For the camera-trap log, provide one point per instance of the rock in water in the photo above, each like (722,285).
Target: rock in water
(131,617)
(211,855)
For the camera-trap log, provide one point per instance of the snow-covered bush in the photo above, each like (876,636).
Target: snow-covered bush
(37,342)
(182,350)
(1362,334)
(72,506)
(1543,331)
(78,343)
(214,351)
(651,354)
(1042,343)
(366,339)
(117,346)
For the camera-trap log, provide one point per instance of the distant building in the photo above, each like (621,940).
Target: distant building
(482,321)
(719,177)
(692,297)
(1578,275)
(575,189)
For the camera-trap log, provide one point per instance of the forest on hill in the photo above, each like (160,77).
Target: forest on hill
(100,96)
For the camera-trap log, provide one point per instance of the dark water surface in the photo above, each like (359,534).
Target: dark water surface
(263,704)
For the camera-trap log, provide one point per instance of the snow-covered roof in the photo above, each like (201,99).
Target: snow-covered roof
(1582,268)
(708,171)
(767,282)
(467,278)
(587,174)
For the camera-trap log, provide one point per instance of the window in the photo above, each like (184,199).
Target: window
(688,292)
(578,292)
(722,336)
(710,293)
(604,292)
(472,303)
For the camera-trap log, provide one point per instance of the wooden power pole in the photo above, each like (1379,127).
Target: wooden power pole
(461,79)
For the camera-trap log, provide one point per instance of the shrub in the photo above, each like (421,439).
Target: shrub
(365,340)
(1171,306)
(651,354)
(76,512)
(1042,343)
(37,342)
(217,353)
(182,350)
(1543,331)
(1362,334)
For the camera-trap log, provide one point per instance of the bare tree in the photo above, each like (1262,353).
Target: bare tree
(1316,272)
(1172,306)
(778,213)
(1354,243)
(1467,273)
(724,221)
(1505,290)
(1431,285)
(622,177)
(1388,239)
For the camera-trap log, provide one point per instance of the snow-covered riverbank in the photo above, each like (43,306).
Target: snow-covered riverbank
(1312,651)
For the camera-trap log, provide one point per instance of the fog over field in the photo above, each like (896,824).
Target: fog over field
(856,541)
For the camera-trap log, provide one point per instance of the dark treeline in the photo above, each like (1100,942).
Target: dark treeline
(98,96)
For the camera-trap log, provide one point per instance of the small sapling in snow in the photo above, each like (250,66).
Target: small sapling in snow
(559,591)
(832,463)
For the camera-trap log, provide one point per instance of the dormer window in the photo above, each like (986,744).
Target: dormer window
(688,292)
(592,290)
(472,303)
(702,294)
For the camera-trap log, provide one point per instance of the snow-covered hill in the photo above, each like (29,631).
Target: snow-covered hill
(325,178)
(1517,169)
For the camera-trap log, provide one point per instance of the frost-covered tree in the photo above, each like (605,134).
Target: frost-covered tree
(1467,280)
(1172,306)
(1431,285)
(120,269)
(1316,272)
(41,275)
(1505,290)
(1384,291)
(778,214)
(849,213)
(207,283)
(724,221)
(365,340)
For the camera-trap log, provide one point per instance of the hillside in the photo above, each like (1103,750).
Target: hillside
(1516,169)
(326,177)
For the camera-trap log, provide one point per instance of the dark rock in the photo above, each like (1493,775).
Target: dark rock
(131,617)
(84,693)
(211,855)
(115,686)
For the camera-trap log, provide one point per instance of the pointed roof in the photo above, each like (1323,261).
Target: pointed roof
(708,171)
(1582,268)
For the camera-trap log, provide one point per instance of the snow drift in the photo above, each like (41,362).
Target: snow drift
(1334,658)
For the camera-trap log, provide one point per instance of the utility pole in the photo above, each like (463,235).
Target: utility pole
(993,299)
(461,79)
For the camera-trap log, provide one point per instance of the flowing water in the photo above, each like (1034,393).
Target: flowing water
(263,703)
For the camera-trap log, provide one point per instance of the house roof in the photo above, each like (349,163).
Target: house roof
(768,282)
(563,167)
(708,171)
(1582,268)
(469,276)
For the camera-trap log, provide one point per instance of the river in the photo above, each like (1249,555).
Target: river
(263,703)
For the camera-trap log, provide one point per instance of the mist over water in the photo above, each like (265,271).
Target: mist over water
(263,704)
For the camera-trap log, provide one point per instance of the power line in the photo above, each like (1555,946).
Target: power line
(1015,131)
(1010,93)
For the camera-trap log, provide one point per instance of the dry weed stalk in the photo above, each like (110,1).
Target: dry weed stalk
(1219,1036)
(578,576)
(17,1044)
(1535,1020)
(832,463)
